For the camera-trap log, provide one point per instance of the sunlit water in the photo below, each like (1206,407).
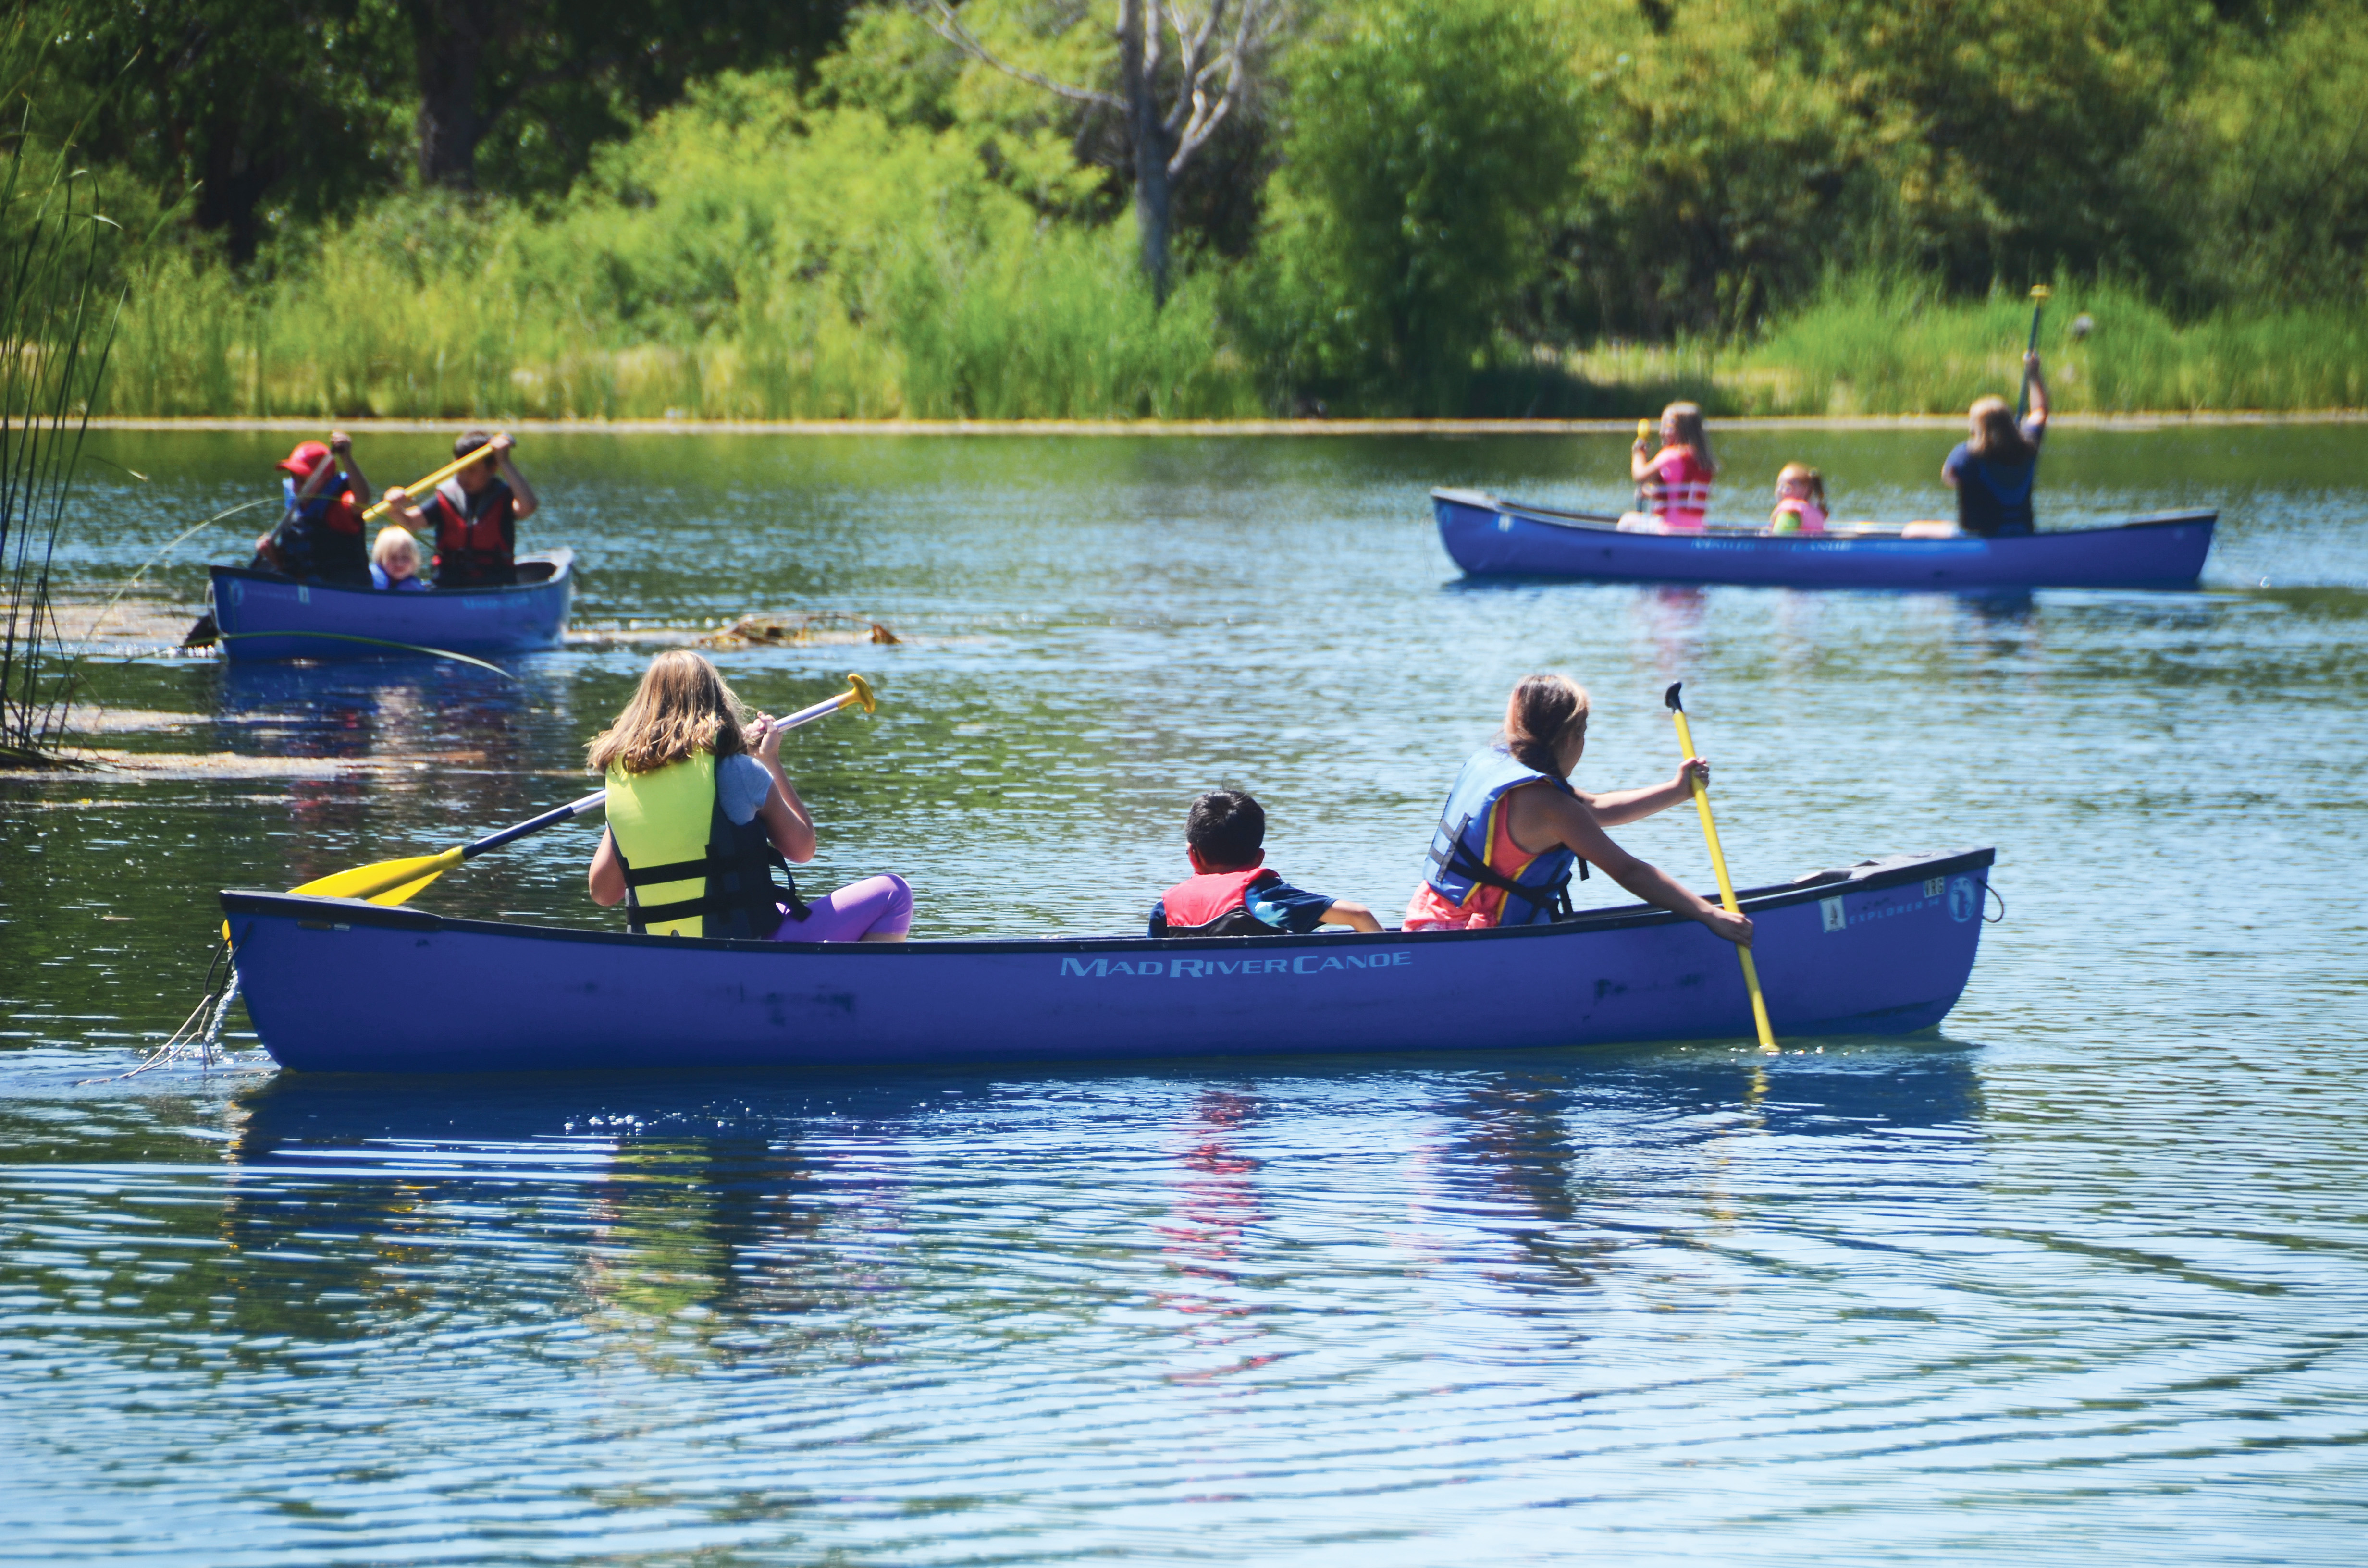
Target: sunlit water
(2082,1276)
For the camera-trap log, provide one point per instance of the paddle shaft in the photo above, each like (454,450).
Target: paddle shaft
(482,454)
(1726,887)
(2023,399)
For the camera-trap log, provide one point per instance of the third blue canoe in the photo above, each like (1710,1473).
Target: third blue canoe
(1489,535)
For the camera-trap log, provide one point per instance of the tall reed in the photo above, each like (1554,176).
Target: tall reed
(55,332)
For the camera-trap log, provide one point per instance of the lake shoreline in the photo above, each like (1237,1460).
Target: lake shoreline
(1210,428)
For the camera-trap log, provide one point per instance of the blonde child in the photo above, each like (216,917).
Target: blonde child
(394,563)
(1672,484)
(1799,501)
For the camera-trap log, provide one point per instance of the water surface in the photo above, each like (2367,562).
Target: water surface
(2083,1274)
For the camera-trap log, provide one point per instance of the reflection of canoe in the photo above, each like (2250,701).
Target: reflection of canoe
(261,615)
(1883,949)
(1489,535)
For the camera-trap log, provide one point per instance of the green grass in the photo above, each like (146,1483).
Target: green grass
(1061,328)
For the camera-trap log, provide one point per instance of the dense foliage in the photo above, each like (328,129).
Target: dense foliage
(735,208)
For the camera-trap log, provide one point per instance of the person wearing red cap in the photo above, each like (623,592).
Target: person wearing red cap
(319,535)
(473,516)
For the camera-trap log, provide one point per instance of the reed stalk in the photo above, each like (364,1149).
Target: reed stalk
(55,335)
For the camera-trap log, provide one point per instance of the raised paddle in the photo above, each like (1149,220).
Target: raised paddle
(393,881)
(481,454)
(1718,864)
(2039,297)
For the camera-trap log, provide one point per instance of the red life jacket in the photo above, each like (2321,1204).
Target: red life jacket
(477,536)
(1217,905)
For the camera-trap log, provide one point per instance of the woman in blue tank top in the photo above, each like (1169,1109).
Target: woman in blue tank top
(1996,468)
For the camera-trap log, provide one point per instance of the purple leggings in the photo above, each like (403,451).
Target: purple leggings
(882,904)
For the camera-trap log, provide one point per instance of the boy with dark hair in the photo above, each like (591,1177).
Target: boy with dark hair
(473,516)
(1231,893)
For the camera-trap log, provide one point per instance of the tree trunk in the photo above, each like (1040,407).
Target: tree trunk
(449,44)
(1153,206)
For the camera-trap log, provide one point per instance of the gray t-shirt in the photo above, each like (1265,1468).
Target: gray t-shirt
(740,785)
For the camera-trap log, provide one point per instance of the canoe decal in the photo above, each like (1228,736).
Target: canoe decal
(1211,969)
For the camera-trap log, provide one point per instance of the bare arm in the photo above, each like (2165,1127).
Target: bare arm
(608,875)
(1620,806)
(1354,915)
(1640,462)
(342,445)
(1574,825)
(787,822)
(525,503)
(398,501)
(2038,390)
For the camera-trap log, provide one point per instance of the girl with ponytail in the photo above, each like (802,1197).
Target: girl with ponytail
(1515,829)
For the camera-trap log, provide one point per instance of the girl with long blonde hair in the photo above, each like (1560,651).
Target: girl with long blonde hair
(700,815)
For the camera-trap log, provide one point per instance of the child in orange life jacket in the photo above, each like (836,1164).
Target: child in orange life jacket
(1799,501)
(1673,484)
(1231,893)
(473,516)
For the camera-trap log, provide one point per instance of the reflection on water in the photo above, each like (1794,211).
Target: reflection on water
(2081,1277)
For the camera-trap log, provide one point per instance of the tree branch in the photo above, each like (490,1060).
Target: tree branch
(939,19)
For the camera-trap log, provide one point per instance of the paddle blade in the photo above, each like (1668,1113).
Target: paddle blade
(404,893)
(403,877)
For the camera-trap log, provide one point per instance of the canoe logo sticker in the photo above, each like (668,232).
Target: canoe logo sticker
(1831,910)
(1213,968)
(1964,901)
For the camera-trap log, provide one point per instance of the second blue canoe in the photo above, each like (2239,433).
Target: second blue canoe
(263,616)
(1489,535)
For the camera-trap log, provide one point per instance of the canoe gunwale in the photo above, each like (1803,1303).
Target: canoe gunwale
(1869,875)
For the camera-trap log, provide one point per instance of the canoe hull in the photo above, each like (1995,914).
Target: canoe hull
(262,617)
(1488,537)
(1882,950)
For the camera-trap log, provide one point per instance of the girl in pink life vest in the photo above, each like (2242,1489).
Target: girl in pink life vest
(1799,501)
(1231,893)
(1673,484)
(1515,829)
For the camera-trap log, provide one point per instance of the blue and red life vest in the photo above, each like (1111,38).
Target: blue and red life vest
(1216,903)
(1469,844)
(476,534)
(319,535)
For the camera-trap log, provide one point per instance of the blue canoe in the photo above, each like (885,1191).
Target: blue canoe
(260,615)
(1883,948)
(1489,535)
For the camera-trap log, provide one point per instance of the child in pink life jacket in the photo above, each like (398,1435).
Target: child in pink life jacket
(1673,484)
(1799,501)
(1231,893)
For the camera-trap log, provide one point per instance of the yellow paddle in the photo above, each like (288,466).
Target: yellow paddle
(2039,294)
(393,881)
(1718,864)
(482,454)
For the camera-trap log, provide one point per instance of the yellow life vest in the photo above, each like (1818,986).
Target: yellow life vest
(691,870)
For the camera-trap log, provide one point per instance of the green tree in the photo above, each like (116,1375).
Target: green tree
(1429,141)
